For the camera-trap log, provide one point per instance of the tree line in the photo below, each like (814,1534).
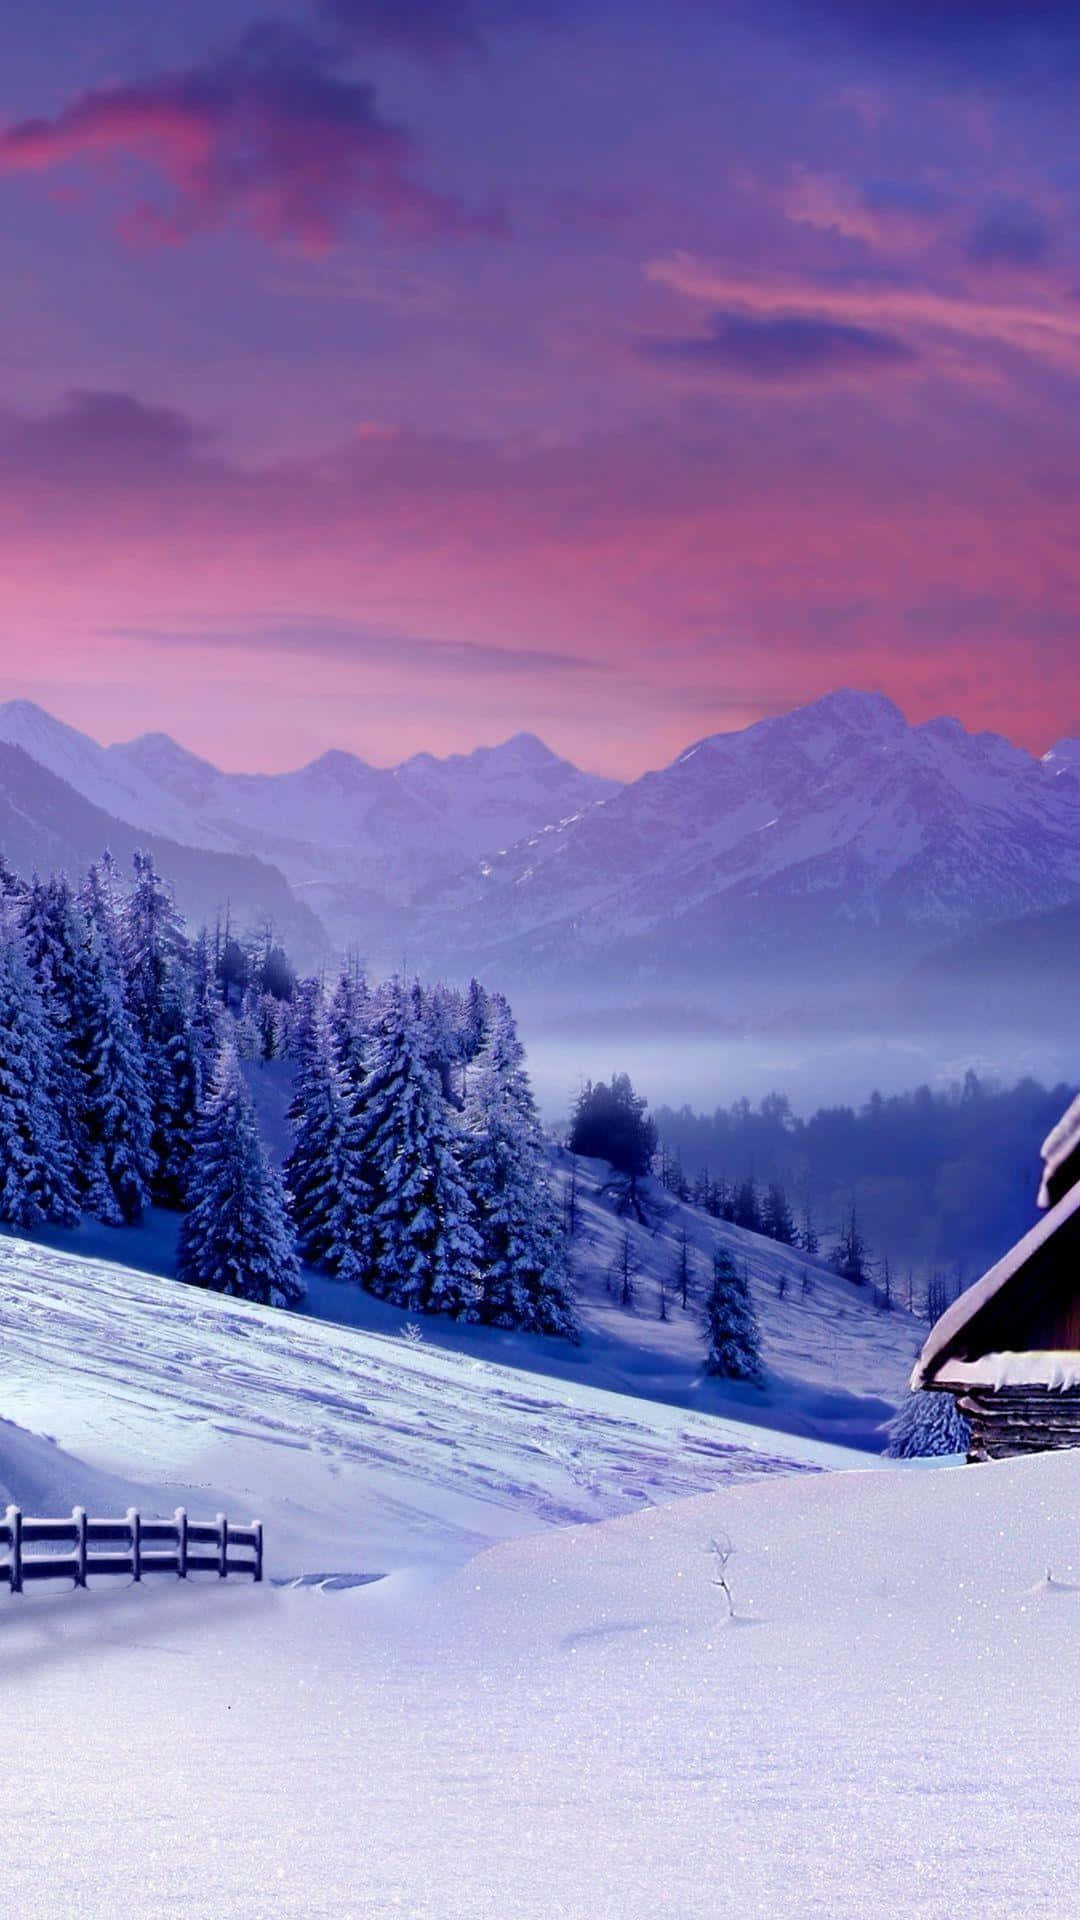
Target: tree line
(943,1178)
(416,1166)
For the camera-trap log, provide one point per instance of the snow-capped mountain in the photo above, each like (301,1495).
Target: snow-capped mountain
(357,838)
(832,843)
(45,824)
(836,836)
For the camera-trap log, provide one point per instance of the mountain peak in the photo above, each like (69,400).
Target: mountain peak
(855,708)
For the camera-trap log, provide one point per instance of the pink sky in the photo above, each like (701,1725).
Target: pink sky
(400,378)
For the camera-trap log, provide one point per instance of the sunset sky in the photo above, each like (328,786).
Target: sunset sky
(394,374)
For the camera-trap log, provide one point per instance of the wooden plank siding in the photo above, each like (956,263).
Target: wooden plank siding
(1006,1421)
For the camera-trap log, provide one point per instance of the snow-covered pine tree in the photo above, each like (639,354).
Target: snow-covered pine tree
(155,957)
(350,1252)
(313,1167)
(35,1167)
(113,1097)
(153,946)
(426,1248)
(730,1323)
(179,1094)
(526,1280)
(235,1237)
(207,1011)
(927,1424)
(53,932)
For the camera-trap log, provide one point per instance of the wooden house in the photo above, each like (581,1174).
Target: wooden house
(1009,1348)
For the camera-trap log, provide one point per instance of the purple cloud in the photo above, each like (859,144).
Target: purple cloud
(1012,234)
(780,347)
(270,131)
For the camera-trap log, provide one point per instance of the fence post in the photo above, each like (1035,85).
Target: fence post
(181,1542)
(78,1514)
(256,1527)
(134,1520)
(223,1546)
(14,1520)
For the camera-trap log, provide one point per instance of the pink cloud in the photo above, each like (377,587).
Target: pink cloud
(270,132)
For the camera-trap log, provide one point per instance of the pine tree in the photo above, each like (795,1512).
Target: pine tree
(927,1424)
(683,1271)
(36,1181)
(313,1167)
(426,1248)
(776,1218)
(179,1095)
(52,935)
(350,1250)
(745,1209)
(113,1097)
(235,1237)
(730,1323)
(523,1258)
(849,1257)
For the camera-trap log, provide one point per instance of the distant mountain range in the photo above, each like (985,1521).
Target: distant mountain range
(835,844)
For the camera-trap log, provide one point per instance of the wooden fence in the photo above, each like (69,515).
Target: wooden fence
(134,1546)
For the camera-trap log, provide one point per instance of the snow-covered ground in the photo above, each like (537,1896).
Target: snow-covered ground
(363,1452)
(567,1726)
(837,1366)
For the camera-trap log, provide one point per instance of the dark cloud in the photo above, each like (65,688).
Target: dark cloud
(1011,234)
(780,347)
(339,640)
(116,431)
(438,30)
(1010,40)
(271,131)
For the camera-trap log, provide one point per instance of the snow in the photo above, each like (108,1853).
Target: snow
(1060,1372)
(378,1450)
(975,1298)
(568,1724)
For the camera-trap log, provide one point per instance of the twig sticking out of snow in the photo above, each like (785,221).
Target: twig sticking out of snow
(723,1548)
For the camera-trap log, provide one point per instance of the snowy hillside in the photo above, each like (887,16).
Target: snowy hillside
(373,1449)
(761,849)
(836,1366)
(571,1723)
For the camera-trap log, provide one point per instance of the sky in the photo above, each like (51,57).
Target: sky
(399,374)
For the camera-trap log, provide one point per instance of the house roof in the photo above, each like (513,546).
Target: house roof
(945,1335)
(1061,1156)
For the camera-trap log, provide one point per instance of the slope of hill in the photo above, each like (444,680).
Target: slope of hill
(46,824)
(836,1366)
(834,839)
(572,1722)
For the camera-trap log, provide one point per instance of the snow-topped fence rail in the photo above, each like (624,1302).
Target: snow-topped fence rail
(133,1546)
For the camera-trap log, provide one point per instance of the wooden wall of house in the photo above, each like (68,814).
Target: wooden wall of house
(1006,1421)
(1037,1310)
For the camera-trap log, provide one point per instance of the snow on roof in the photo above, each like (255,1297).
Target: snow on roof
(1060,1372)
(963,1310)
(1060,1144)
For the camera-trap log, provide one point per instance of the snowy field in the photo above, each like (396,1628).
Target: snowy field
(563,1725)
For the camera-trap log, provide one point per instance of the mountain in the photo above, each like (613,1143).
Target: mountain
(46,824)
(833,840)
(825,852)
(359,840)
